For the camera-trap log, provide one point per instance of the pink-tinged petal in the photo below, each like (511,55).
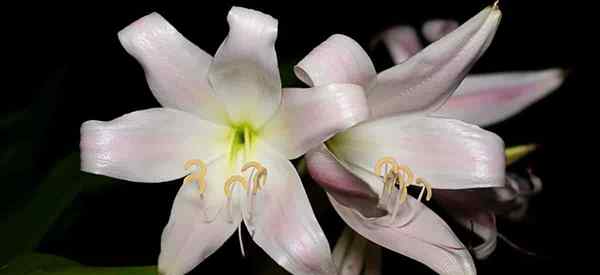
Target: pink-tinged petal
(282,222)
(199,223)
(447,153)
(150,145)
(339,59)
(310,116)
(490,98)
(425,238)
(175,68)
(435,29)
(244,73)
(349,253)
(402,42)
(424,82)
(347,189)
(484,225)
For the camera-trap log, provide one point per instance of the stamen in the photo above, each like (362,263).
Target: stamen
(389,178)
(228,188)
(259,175)
(401,177)
(256,180)
(198,172)
(240,240)
(425,186)
(197,175)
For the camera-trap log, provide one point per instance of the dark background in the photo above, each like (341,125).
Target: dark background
(65,66)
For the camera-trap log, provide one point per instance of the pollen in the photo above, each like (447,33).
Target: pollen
(198,173)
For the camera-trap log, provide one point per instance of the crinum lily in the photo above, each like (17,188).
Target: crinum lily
(368,169)
(228,127)
(481,99)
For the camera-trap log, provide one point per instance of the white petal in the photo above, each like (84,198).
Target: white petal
(427,79)
(199,223)
(244,73)
(175,68)
(490,98)
(339,182)
(284,222)
(339,59)
(150,145)
(484,225)
(402,42)
(349,253)
(310,116)
(435,29)
(447,153)
(425,238)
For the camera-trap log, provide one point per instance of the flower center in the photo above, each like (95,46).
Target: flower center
(241,140)
(396,180)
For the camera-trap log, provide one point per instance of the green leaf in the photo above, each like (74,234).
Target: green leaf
(44,264)
(21,232)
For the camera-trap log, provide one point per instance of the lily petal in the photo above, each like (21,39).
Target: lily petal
(175,68)
(327,109)
(490,98)
(426,80)
(447,153)
(426,238)
(349,253)
(339,59)
(347,189)
(402,42)
(199,223)
(283,223)
(484,225)
(150,145)
(435,29)
(244,73)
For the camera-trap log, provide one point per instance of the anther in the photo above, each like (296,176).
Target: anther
(198,169)
(396,180)
(259,176)
(425,186)
(230,184)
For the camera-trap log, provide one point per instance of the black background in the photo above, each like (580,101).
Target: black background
(66,63)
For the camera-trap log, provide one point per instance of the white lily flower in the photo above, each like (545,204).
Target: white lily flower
(229,128)
(484,100)
(368,169)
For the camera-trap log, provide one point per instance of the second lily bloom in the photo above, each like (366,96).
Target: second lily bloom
(367,169)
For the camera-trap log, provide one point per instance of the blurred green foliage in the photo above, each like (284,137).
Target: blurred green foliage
(43,264)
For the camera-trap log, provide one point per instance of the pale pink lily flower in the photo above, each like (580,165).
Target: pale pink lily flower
(227,124)
(481,99)
(407,143)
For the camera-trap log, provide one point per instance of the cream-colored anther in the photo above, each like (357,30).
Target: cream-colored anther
(260,175)
(400,176)
(197,175)
(389,161)
(404,179)
(230,184)
(420,182)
